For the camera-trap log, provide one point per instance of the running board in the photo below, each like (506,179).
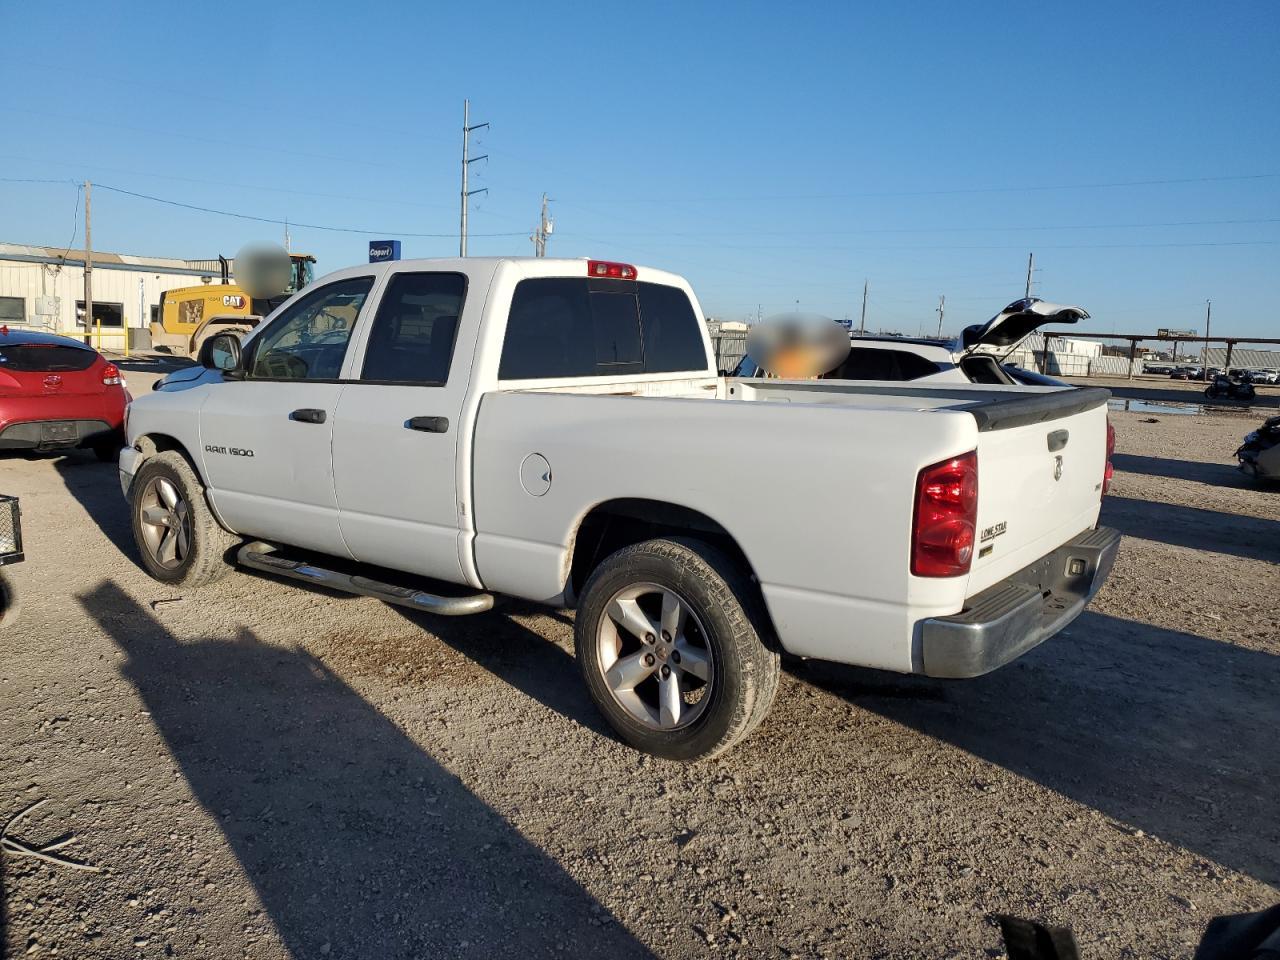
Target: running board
(261,556)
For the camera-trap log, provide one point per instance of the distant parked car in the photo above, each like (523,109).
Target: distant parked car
(1259,376)
(57,393)
(948,361)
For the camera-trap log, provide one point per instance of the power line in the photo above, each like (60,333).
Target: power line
(949,191)
(216,183)
(995,229)
(292,223)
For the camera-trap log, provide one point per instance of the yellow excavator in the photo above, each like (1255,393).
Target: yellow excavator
(190,315)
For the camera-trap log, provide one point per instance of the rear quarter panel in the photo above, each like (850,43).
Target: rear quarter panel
(819,499)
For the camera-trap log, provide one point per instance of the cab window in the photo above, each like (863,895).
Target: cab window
(308,341)
(580,327)
(412,337)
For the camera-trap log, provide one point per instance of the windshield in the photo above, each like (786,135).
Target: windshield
(303,273)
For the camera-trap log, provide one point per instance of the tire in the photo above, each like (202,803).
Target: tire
(1247,392)
(196,554)
(717,633)
(1211,393)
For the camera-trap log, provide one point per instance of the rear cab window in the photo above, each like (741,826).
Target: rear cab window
(565,327)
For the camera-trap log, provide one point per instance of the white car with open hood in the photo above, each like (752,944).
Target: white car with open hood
(439,433)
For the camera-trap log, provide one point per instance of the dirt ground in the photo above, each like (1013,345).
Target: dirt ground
(260,770)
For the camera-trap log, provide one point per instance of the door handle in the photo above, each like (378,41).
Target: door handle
(308,415)
(428,424)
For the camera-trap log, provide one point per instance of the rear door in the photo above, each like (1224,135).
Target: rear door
(397,425)
(266,440)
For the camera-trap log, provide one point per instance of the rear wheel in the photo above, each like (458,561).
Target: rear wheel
(668,638)
(180,541)
(1211,393)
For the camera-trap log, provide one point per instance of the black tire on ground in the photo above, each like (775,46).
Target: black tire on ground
(204,560)
(1211,393)
(1247,392)
(721,595)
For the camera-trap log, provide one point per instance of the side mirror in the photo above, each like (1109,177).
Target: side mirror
(222,352)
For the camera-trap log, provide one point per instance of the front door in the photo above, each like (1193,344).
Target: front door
(395,435)
(267,440)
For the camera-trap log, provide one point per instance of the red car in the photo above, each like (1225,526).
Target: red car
(57,393)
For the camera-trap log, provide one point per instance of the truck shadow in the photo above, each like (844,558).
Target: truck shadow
(1182,526)
(1216,474)
(96,487)
(1164,731)
(351,833)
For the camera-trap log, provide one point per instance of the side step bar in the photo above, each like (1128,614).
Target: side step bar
(261,556)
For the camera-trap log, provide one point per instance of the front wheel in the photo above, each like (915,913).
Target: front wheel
(668,638)
(1211,393)
(1247,392)
(180,541)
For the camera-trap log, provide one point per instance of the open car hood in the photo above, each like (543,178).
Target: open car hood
(1017,321)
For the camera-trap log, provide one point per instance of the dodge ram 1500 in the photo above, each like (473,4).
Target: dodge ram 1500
(436,433)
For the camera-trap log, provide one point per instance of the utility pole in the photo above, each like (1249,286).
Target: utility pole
(466,165)
(862,324)
(545,226)
(1208,315)
(942,309)
(1031,265)
(88,265)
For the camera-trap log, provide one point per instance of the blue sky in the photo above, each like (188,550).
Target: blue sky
(769,152)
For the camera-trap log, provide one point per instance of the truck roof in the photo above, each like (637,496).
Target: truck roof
(532,266)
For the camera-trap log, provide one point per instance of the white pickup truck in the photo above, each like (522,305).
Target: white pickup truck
(435,433)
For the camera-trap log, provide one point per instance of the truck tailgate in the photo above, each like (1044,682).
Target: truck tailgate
(1040,467)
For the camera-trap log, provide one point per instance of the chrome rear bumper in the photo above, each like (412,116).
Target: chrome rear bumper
(1005,621)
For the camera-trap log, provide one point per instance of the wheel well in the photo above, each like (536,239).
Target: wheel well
(152,443)
(615,524)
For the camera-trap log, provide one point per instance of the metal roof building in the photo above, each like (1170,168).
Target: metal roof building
(43,287)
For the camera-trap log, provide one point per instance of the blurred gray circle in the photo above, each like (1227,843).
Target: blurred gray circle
(263,269)
(798,345)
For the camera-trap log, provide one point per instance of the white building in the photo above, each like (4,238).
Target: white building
(43,288)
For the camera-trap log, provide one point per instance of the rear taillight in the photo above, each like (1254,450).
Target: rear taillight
(1108,470)
(946,517)
(111,375)
(605,268)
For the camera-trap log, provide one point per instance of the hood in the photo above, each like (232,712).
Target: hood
(1016,321)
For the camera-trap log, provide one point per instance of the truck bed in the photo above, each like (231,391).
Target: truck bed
(820,503)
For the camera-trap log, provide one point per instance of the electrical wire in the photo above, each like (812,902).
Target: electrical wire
(944,192)
(292,223)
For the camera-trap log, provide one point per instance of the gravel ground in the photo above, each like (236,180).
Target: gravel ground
(260,770)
